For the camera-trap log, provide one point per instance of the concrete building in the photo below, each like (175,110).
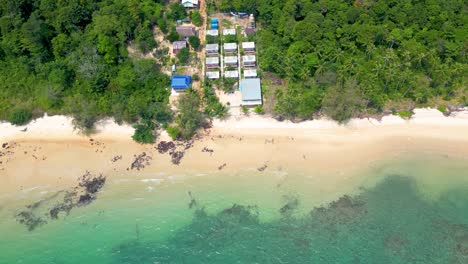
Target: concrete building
(251,92)
(212,62)
(248,47)
(230,61)
(212,49)
(230,47)
(249,60)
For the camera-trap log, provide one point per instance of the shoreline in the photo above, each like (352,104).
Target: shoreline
(51,154)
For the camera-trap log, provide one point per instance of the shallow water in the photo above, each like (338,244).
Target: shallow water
(410,210)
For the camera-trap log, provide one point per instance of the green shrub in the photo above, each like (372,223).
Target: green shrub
(442,109)
(259,110)
(162,24)
(173,35)
(245,110)
(144,133)
(20,117)
(196,18)
(230,38)
(194,42)
(173,132)
(405,114)
(183,55)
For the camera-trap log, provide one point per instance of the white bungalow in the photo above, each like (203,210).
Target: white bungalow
(212,75)
(230,61)
(212,49)
(249,60)
(231,74)
(212,62)
(229,31)
(250,73)
(248,47)
(212,32)
(230,47)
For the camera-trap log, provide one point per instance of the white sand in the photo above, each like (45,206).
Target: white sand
(61,127)
(50,153)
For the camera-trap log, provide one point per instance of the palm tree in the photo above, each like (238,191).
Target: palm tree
(370,48)
(338,55)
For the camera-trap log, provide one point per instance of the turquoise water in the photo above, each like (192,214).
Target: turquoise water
(400,211)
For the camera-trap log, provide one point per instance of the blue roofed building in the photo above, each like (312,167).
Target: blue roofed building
(181,82)
(251,91)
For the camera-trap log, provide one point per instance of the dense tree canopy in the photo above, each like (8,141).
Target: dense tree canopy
(71,57)
(389,50)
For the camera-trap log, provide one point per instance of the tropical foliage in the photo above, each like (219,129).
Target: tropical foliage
(347,57)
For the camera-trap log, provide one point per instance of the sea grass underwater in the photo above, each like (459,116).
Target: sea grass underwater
(406,216)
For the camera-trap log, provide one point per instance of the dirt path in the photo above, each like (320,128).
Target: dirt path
(202,35)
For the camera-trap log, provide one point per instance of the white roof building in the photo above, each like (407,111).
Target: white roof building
(250,73)
(230,59)
(230,46)
(231,74)
(212,48)
(212,32)
(251,91)
(212,75)
(249,59)
(212,60)
(248,45)
(229,31)
(189,3)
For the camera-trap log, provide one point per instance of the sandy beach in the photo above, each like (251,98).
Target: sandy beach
(51,154)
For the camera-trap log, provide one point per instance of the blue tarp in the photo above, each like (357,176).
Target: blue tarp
(214,23)
(181,81)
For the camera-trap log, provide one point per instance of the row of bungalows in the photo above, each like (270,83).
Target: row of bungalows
(228,74)
(213,62)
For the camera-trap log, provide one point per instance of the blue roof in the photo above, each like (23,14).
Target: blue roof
(181,81)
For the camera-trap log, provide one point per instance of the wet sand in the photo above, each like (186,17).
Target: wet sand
(57,159)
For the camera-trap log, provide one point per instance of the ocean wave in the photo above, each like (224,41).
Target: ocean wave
(155,180)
